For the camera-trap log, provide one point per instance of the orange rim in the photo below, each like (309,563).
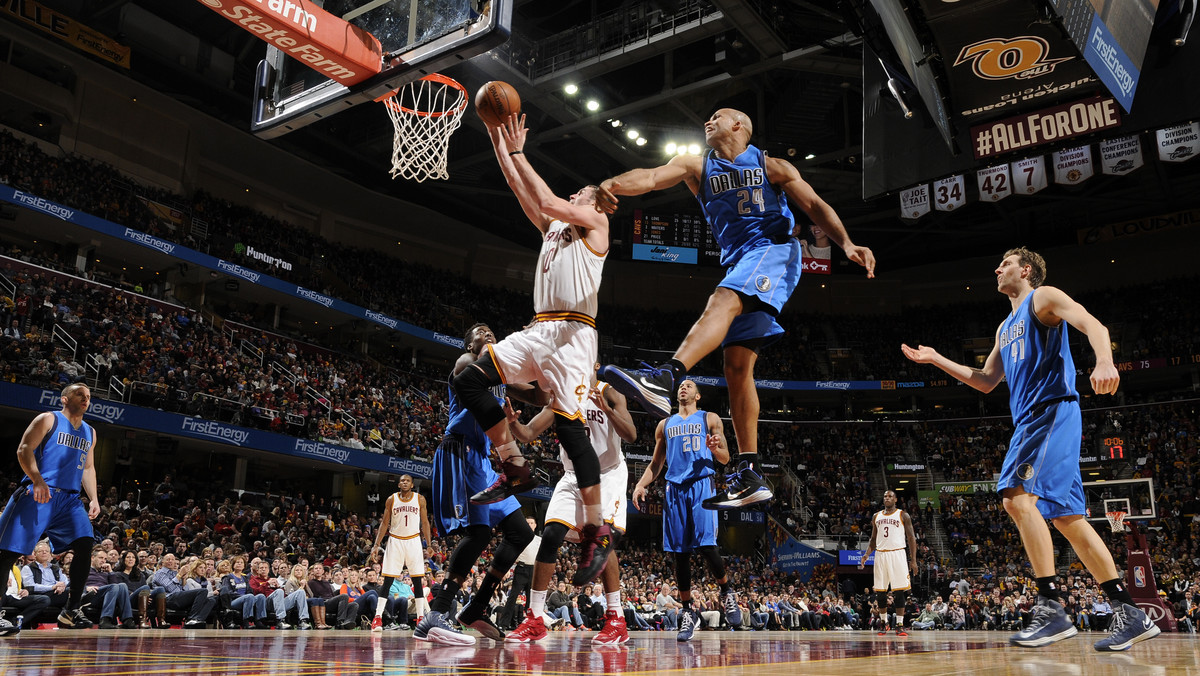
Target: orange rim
(390,101)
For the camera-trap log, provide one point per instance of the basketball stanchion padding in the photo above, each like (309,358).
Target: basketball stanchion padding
(424,114)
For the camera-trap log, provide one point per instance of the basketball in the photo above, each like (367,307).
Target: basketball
(495,101)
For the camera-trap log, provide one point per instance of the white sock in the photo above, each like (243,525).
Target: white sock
(379,607)
(613,601)
(537,602)
(591,514)
(899,622)
(510,452)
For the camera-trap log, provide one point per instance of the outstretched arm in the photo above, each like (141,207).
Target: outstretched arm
(545,201)
(657,461)
(640,181)
(787,177)
(512,176)
(984,379)
(1052,305)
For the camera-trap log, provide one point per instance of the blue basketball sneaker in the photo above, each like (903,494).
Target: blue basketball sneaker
(1048,625)
(743,486)
(1129,625)
(688,621)
(733,614)
(651,387)
(434,628)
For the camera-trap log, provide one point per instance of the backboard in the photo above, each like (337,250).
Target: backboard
(418,37)
(1134,496)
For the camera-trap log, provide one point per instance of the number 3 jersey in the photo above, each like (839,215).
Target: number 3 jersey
(1037,361)
(741,207)
(688,456)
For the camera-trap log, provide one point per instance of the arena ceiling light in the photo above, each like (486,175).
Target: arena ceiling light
(632,134)
(641,141)
(670,149)
(593,105)
(571,89)
(694,148)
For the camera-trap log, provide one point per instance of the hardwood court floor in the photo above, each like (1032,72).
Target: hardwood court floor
(220,653)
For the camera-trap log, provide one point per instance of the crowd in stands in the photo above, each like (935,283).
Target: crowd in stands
(1157,319)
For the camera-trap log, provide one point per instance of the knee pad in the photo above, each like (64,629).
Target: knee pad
(574,439)
(473,386)
(683,571)
(553,536)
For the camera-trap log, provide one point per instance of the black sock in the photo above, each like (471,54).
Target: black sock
(1047,589)
(678,370)
(687,604)
(444,600)
(724,587)
(1116,591)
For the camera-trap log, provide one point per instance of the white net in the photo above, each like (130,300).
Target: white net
(424,113)
(1116,520)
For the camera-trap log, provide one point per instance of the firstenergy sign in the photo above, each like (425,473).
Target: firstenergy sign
(302,30)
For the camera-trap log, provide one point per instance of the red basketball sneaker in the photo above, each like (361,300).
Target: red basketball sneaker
(532,629)
(901,632)
(884,631)
(614,631)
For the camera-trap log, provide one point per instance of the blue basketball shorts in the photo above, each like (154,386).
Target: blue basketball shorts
(686,523)
(1043,458)
(64,520)
(769,273)
(460,471)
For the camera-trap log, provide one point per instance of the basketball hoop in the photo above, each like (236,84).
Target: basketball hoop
(424,114)
(1117,521)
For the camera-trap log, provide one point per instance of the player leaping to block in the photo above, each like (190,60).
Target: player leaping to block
(744,195)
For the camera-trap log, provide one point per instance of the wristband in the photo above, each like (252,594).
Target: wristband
(515,152)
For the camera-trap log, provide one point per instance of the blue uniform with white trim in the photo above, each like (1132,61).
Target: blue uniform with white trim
(462,467)
(752,223)
(1043,455)
(60,458)
(690,468)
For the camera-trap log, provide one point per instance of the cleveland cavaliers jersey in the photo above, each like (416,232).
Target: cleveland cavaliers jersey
(63,452)
(406,517)
(567,278)
(601,432)
(688,456)
(741,206)
(889,531)
(1037,360)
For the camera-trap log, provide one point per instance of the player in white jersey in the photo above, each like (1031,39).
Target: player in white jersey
(891,536)
(608,424)
(558,349)
(405,523)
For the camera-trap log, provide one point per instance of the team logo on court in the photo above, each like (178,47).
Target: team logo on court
(762,283)
(1025,471)
(1021,58)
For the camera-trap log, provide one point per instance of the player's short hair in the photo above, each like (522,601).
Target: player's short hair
(471,332)
(66,391)
(1037,274)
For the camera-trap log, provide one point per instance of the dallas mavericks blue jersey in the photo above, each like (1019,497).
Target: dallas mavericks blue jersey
(1037,361)
(462,422)
(688,457)
(61,455)
(741,207)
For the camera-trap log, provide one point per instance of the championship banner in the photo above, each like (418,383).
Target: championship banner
(1073,165)
(1029,175)
(303,31)
(995,183)
(949,193)
(68,30)
(1119,156)
(1179,143)
(914,202)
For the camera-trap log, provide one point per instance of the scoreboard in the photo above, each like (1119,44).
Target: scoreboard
(678,238)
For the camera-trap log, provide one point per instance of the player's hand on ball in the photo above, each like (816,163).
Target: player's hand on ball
(922,355)
(513,130)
